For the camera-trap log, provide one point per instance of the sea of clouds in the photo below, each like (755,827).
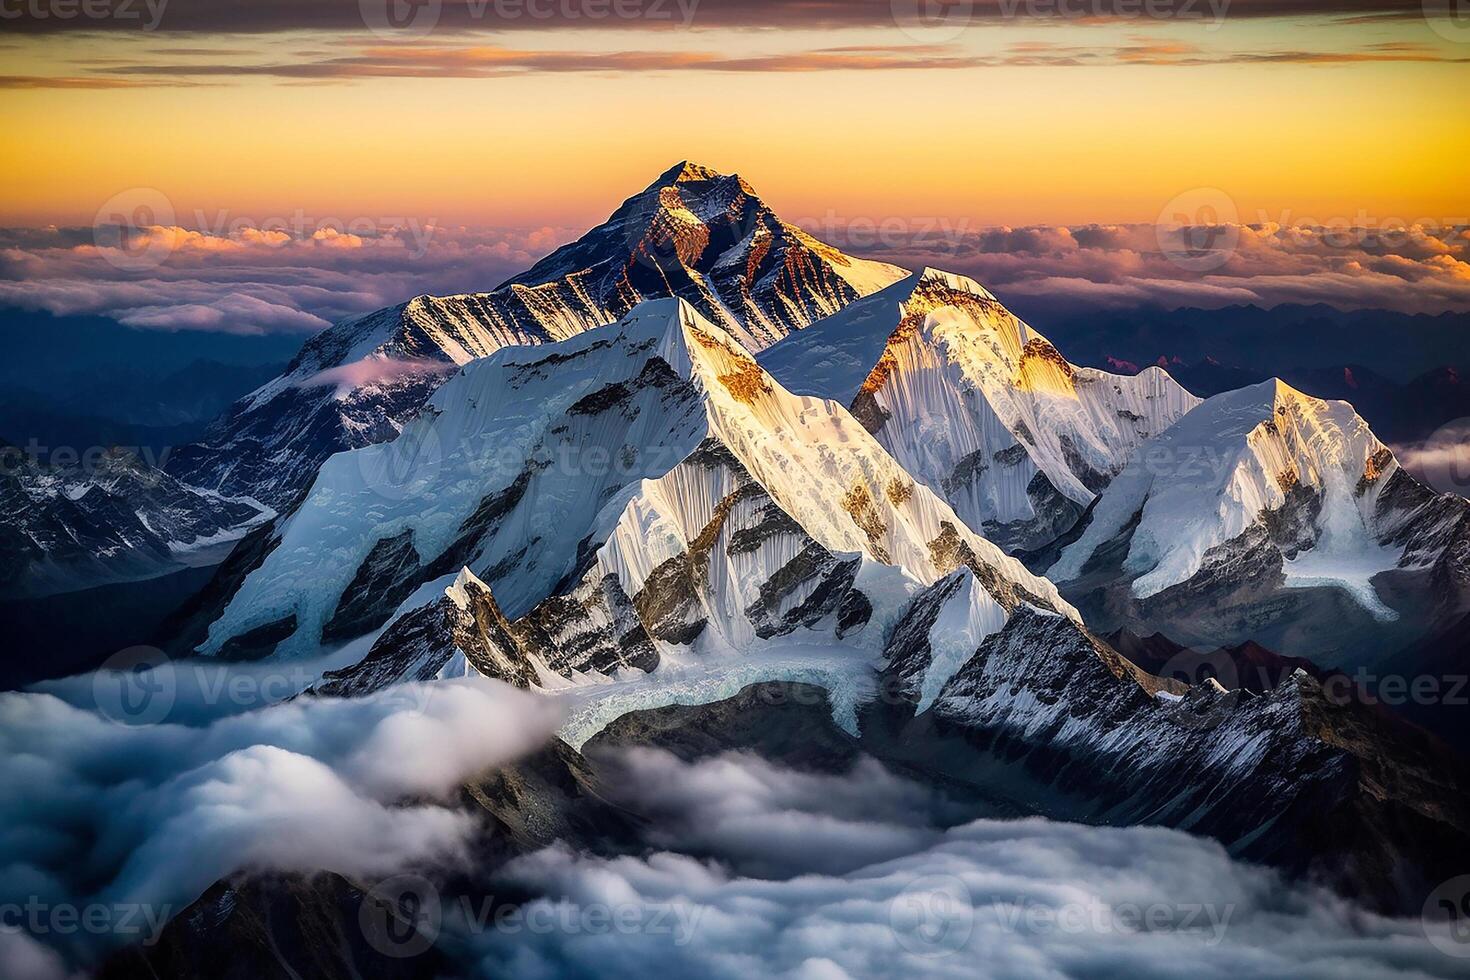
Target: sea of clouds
(127,818)
(748,868)
(768,871)
(300,276)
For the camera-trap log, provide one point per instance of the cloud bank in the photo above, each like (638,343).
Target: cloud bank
(1009,899)
(271,16)
(254,280)
(115,817)
(1404,266)
(250,279)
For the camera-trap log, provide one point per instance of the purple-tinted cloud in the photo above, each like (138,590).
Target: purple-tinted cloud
(251,280)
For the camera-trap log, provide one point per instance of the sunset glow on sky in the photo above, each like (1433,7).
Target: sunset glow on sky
(1008,122)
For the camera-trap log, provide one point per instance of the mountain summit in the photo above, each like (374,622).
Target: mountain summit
(975,403)
(694,234)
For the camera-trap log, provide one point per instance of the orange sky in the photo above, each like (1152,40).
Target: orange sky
(1344,122)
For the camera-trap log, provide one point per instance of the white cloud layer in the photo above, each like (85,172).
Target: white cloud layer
(103,815)
(1405,267)
(1007,899)
(247,280)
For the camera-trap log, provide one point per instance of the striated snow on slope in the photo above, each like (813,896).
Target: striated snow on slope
(637,497)
(977,405)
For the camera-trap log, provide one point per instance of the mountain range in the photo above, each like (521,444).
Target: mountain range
(697,458)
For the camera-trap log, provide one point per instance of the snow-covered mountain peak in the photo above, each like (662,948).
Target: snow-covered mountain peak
(687,170)
(695,234)
(649,462)
(977,404)
(1311,468)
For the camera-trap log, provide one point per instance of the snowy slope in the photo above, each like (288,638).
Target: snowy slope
(693,233)
(977,405)
(1261,490)
(639,495)
(1237,458)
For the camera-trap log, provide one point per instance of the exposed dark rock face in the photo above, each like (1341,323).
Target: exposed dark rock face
(1238,596)
(260,642)
(420,644)
(187,626)
(292,927)
(1092,478)
(909,652)
(595,627)
(1300,778)
(1053,516)
(667,602)
(788,723)
(1434,530)
(491,510)
(854,613)
(1009,456)
(284,927)
(383,580)
(829,579)
(949,552)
